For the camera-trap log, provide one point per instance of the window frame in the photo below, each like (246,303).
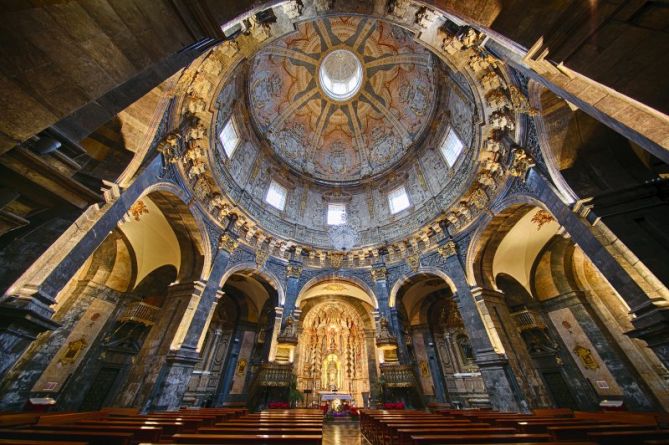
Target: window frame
(405,194)
(343,220)
(238,139)
(284,199)
(443,148)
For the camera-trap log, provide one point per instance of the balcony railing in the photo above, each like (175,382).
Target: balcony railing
(528,319)
(275,374)
(141,313)
(398,376)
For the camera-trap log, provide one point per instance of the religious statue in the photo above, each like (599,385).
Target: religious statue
(330,373)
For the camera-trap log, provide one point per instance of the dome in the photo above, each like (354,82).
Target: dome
(344,98)
(344,133)
(340,74)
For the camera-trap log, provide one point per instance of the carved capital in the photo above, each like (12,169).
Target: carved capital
(261,257)
(448,249)
(379,273)
(336,260)
(521,163)
(294,270)
(227,243)
(414,262)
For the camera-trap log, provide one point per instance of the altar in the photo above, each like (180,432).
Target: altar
(334,399)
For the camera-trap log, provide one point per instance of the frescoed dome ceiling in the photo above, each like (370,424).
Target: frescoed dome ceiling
(387,95)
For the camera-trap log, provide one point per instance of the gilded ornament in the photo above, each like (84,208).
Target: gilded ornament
(521,163)
(478,199)
(293,270)
(447,249)
(227,243)
(541,218)
(261,257)
(414,262)
(336,260)
(585,354)
(138,209)
(379,273)
(520,102)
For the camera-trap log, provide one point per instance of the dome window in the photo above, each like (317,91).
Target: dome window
(340,74)
(451,147)
(398,200)
(276,195)
(229,137)
(336,214)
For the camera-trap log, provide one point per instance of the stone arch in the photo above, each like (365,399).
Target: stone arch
(490,233)
(188,226)
(338,276)
(423,270)
(268,276)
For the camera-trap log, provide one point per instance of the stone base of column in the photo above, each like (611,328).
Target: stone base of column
(500,383)
(21,321)
(652,326)
(173,380)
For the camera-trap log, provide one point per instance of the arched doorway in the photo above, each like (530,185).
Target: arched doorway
(437,342)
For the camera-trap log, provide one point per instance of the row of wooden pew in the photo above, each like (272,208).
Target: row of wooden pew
(488,427)
(127,427)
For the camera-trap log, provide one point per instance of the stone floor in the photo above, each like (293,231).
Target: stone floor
(343,434)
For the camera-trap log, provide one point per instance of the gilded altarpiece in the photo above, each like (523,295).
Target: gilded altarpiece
(332,355)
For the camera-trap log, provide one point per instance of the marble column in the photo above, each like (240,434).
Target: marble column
(19,382)
(184,352)
(25,309)
(500,380)
(643,294)
(293,273)
(493,307)
(635,393)
(381,290)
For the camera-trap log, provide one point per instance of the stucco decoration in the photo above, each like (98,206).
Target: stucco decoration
(366,132)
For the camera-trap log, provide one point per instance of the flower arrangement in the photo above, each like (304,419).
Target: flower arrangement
(398,405)
(279,405)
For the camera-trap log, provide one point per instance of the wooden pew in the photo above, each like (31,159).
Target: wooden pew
(255,439)
(580,432)
(627,437)
(168,427)
(190,424)
(140,433)
(263,430)
(428,439)
(38,442)
(405,434)
(91,437)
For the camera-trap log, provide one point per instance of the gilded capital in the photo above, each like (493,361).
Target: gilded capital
(261,257)
(227,243)
(379,273)
(521,163)
(294,270)
(414,262)
(448,249)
